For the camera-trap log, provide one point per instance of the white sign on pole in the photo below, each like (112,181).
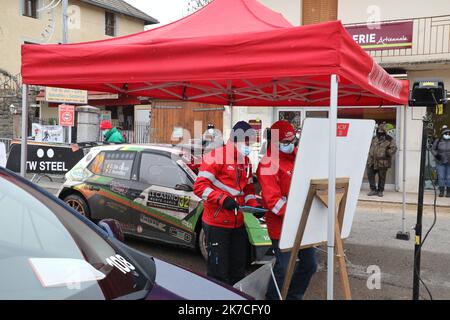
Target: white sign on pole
(312,162)
(45,133)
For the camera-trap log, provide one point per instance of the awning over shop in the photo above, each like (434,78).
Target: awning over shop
(234,52)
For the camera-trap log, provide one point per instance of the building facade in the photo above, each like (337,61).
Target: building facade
(40,22)
(428,55)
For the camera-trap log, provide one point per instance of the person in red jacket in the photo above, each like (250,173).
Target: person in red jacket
(225,182)
(274,175)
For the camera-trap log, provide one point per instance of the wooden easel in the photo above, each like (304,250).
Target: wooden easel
(319,188)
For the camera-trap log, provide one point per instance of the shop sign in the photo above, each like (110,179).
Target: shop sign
(383,36)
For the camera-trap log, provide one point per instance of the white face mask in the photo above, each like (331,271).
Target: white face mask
(287,148)
(210,131)
(446,136)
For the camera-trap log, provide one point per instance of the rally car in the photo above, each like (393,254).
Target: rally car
(149,190)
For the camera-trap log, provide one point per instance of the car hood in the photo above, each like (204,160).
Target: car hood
(175,282)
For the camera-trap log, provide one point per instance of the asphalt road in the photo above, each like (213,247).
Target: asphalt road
(372,243)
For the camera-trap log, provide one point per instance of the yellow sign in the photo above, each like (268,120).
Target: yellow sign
(61,95)
(439,109)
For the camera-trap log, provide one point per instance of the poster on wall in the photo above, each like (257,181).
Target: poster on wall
(46,133)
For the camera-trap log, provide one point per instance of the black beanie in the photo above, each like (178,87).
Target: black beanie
(242,129)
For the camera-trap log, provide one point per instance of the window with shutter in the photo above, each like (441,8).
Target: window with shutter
(315,11)
(30,8)
(110,24)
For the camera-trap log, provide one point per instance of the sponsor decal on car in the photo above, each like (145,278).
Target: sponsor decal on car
(116,206)
(187,224)
(118,187)
(180,234)
(127,227)
(153,223)
(170,201)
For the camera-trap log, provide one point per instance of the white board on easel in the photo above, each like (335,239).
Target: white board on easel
(312,162)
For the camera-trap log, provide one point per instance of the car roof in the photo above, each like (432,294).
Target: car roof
(139,147)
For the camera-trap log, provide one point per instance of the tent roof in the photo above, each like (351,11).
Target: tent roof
(230,52)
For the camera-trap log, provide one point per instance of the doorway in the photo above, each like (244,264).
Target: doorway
(296,116)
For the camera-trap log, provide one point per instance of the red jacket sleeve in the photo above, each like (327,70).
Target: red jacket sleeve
(203,186)
(271,191)
(249,191)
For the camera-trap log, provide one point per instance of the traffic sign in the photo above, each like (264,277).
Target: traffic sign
(66,115)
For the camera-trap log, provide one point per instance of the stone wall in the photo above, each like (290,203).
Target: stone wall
(6,119)
(7,127)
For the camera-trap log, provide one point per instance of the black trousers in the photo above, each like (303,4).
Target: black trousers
(227,253)
(371,172)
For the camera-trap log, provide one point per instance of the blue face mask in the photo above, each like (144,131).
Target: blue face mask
(245,150)
(287,148)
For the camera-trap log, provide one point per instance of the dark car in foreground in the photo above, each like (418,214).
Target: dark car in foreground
(49,251)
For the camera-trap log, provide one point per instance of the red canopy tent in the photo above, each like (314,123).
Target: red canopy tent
(233,52)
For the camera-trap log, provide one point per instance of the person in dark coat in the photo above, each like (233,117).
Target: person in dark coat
(379,161)
(441,152)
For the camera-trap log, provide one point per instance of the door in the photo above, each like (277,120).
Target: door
(166,206)
(108,191)
(190,119)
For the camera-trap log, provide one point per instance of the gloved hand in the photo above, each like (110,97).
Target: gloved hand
(438,157)
(259,215)
(230,204)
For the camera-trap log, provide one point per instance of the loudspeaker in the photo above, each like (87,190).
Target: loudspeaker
(427,93)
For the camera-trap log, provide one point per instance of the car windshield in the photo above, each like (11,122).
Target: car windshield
(46,252)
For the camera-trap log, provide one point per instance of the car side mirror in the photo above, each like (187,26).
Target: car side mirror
(184,187)
(112,228)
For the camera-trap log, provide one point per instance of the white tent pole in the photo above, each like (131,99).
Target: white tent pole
(332,184)
(23,146)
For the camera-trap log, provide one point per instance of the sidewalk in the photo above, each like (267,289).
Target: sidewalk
(392,197)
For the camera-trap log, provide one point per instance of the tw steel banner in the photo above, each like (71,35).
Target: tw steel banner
(44,158)
(383,36)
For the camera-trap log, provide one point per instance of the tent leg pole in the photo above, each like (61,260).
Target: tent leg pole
(23,146)
(332,184)
(404,235)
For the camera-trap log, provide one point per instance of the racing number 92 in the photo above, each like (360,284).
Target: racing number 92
(183,202)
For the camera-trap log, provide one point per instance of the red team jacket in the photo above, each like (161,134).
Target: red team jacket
(275,182)
(220,177)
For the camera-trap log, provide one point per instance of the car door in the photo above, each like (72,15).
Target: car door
(109,189)
(166,204)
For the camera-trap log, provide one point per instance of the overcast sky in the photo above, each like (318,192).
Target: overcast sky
(165,11)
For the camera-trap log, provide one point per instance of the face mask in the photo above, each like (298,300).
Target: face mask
(446,136)
(244,150)
(287,148)
(210,131)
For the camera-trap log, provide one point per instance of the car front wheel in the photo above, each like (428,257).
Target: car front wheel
(78,204)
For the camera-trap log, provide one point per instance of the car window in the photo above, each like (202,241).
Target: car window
(114,164)
(46,252)
(160,170)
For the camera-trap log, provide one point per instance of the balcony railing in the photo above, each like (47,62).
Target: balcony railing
(431,40)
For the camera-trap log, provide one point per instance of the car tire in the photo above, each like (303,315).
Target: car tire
(78,203)
(202,244)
